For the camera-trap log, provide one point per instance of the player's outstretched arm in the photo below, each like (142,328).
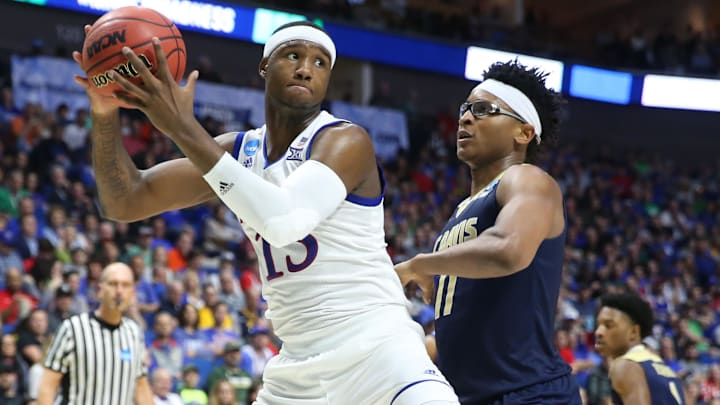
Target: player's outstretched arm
(531,212)
(628,380)
(128,194)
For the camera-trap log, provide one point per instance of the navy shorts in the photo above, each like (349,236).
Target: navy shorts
(560,391)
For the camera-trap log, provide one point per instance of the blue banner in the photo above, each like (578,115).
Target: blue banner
(388,128)
(46,81)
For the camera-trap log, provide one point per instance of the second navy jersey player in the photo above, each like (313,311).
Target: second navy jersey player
(493,334)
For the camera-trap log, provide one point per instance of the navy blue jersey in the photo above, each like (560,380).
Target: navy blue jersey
(664,386)
(494,336)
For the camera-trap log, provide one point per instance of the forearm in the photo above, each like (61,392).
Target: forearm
(115,173)
(197,144)
(280,214)
(46,394)
(483,257)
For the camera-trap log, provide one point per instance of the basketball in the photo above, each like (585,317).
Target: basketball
(133,27)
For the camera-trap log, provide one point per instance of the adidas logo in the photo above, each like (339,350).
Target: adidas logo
(225,187)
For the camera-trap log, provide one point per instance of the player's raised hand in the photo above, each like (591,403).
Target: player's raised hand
(425,282)
(165,103)
(97,103)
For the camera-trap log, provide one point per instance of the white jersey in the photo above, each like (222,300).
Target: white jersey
(338,271)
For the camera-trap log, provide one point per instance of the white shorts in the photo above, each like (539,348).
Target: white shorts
(377,365)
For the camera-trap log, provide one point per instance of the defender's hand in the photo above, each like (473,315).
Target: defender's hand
(425,282)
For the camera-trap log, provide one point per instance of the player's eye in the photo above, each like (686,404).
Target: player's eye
(319,62)
(293,56)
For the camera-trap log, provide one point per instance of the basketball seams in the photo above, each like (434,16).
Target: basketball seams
(115,19)
(162,39)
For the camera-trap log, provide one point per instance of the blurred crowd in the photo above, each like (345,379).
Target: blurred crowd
(670,46)
(635,221)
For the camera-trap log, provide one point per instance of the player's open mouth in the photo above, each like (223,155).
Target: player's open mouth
(462,134)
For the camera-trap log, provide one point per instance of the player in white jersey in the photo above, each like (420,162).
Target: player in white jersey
(308,191)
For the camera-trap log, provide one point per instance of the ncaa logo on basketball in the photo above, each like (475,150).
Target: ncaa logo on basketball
(251,147)
(105,42)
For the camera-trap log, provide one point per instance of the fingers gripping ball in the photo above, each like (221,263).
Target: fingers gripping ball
(133,27)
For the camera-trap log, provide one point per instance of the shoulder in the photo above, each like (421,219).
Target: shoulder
(227,140)
(343,137)
(527,178)
(625,372)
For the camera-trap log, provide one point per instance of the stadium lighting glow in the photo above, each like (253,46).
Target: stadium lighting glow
(479,59)
(600,84)
(681,92)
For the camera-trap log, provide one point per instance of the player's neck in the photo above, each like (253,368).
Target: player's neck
(283,124)
(483,174)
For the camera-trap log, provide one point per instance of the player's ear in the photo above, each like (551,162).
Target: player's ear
(262,68)
(526,134)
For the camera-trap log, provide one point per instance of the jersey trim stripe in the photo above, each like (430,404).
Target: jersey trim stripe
(238,143)
(412,384)
(312,140)
(370,201)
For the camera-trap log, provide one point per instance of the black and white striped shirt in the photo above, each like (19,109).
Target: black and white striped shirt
(100,362)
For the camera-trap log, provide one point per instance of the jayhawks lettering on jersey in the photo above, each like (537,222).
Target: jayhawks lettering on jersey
(341,269)
(494,335)
(664,386)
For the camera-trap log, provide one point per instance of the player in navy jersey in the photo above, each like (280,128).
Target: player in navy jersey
(638,376)
(497,265)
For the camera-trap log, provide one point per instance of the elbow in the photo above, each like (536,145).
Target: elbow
(113,212)
(511,257)
(286,229)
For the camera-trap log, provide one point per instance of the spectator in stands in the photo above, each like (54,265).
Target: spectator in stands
(12,191)
(710,387)
(27,243)
(219,235)
(193,289)
(191,339)
(217,336)
(76,134)
(10,390)
(14,304)
(231,371)
(222,394)
(178,255)
(258,350)
(190,393)
(206,318)
(10,357)
(9,258)
(62,308)
(146,297)
(165,352)
(161,382)
(230,292)
(33,336)
(174,299)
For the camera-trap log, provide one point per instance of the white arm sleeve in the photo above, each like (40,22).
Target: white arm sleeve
(281,214)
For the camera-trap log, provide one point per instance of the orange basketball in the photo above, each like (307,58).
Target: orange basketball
(133,27)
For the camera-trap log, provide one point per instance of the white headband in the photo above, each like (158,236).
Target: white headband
(300,32)
(516,100)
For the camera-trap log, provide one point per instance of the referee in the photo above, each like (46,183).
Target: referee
(98,358)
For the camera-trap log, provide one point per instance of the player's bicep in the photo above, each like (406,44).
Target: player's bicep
(530,205)
(174,184)
(629,381)
(348,151)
